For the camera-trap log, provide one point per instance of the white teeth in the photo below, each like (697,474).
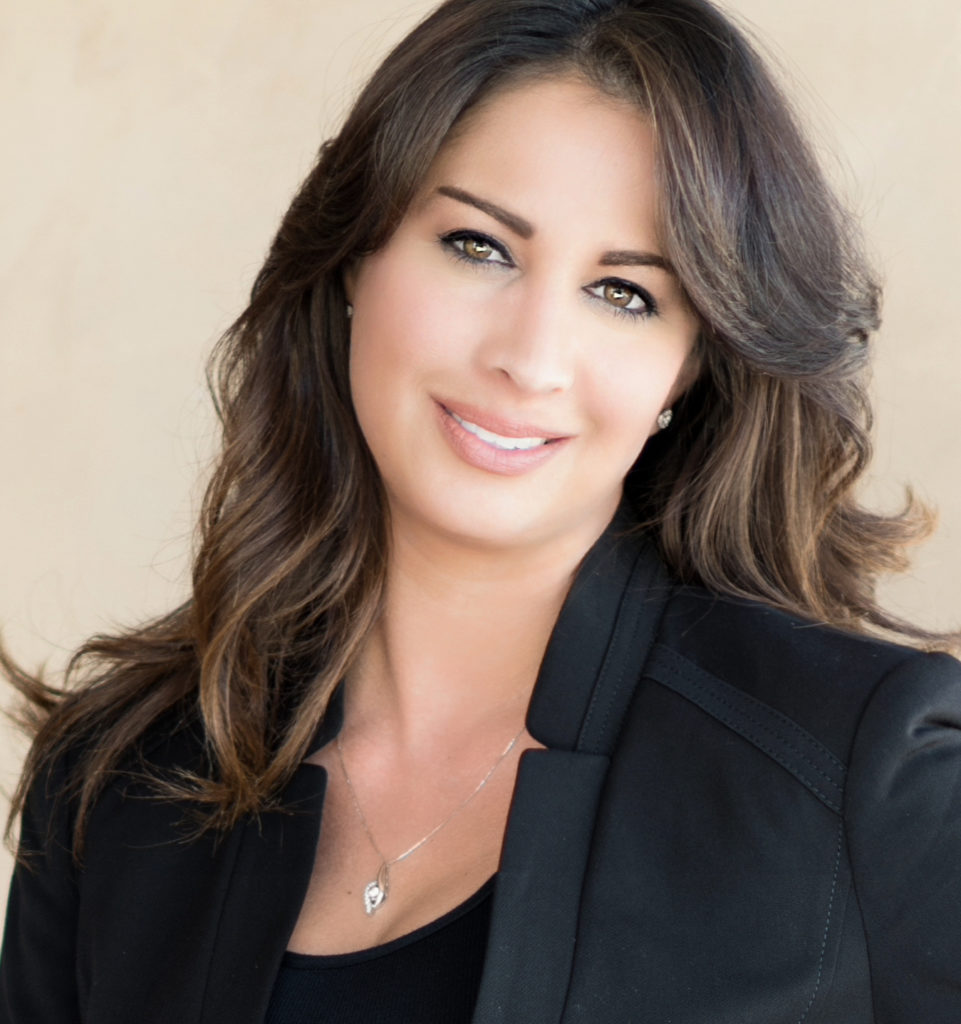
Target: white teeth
(507,444)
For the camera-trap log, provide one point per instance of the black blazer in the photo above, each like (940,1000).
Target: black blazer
(741,818)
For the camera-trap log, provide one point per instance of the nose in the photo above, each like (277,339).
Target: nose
(533,345)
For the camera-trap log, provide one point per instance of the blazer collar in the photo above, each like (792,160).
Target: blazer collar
(606,624)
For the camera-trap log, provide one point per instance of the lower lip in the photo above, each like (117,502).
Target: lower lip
(485,456)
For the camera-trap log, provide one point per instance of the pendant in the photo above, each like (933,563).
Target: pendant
(373,897)
(376,892)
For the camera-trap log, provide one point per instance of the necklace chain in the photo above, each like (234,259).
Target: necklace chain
(375,892)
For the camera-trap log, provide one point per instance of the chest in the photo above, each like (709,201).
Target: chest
(427,849)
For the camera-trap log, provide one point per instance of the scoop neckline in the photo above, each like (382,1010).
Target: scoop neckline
(320,961)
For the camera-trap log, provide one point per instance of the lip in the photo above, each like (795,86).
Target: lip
(481,455)
(500,424)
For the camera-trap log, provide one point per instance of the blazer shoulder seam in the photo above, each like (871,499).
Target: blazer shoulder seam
(768,729)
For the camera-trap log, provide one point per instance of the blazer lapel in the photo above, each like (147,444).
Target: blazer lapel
(591,666)
(267,887)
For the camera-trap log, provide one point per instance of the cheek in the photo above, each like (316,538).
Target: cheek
(404,333)
(406,310)
(629,392)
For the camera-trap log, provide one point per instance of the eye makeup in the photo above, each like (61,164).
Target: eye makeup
(461,243)
(601,290)
(474,248)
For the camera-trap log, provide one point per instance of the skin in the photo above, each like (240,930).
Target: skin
(526,291)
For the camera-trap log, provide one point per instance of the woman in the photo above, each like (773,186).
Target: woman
(526,675)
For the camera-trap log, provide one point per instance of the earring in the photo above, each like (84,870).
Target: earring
(350,310)
(664,420)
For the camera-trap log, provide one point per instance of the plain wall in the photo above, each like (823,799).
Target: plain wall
(150,151)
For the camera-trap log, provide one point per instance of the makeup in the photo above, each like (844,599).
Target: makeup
(496,444)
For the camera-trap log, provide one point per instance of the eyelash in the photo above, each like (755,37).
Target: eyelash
(450,240)
(450,243)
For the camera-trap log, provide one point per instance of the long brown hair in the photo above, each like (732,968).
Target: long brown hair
(752,493)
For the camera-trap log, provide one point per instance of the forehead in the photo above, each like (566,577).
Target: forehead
(554,144)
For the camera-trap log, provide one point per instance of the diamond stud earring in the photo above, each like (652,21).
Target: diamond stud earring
(664,420)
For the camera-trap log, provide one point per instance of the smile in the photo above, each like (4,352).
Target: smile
(502,446)
(505,444)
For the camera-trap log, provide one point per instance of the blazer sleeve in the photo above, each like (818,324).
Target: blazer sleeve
(903,810)
(38,959)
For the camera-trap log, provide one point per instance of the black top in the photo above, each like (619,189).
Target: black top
(430,976)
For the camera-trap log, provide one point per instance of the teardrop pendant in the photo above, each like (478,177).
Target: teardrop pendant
(375,892)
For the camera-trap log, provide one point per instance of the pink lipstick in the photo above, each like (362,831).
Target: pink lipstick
(495,443)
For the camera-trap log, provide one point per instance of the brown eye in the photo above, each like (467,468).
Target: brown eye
(618,295)
(478,249)
(623,298)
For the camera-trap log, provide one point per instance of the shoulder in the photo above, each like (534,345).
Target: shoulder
(805,675)
(170,746)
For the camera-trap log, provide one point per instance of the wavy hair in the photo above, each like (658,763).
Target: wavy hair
(752,493)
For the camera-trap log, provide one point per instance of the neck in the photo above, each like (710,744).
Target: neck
(461,637)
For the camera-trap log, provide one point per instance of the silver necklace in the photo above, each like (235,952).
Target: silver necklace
(375,892)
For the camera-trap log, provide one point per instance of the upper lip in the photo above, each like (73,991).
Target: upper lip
(497,424)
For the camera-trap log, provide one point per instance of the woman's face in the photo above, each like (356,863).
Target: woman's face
(514,341)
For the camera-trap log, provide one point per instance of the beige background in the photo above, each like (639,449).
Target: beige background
(150,148)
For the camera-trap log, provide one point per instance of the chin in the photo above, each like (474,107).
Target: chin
(489,525)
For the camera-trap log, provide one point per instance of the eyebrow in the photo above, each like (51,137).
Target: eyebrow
(635,258)
(524,228)
(518,225)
